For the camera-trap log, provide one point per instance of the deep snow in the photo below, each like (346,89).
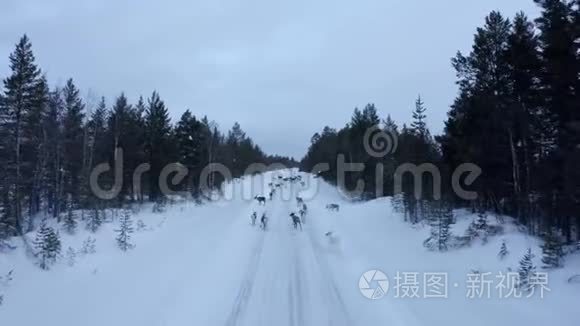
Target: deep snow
(206,265)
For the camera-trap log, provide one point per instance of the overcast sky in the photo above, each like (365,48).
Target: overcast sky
(283,70)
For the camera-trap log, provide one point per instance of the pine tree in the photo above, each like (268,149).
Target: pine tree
(48,246)
(526,270)
(559,80)
(552,252)
(124,232)
(523,119)
(477,129)
(54,176)
(37,152)
(73,138)
(503,251)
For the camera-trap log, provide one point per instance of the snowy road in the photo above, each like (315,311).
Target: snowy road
(280,276)
(287,280)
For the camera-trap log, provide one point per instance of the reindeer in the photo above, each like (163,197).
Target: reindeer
(263,221)
(261,200)
(299,201)
(302,215)
(333,207)
(296,221)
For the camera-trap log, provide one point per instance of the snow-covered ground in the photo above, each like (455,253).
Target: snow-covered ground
(207,265)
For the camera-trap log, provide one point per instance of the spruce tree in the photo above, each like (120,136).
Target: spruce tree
(124,232)
(419,126)
(126,130)
(481,222)
(20,112)
(70,223)
(158,131)
(48,246)
(481,226)
(94,221)
(526,270)
(440,230)
(6,222)
(552,252)
(445,220)
(190,138)
(390,125)
(503,251)
(472,232)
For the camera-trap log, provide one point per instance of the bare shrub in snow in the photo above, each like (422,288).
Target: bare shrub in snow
(5,282)
(71,256)
(159,207)
(141,226)
(89,246)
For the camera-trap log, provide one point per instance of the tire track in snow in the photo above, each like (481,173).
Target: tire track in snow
(246,289)
(291,309)
(298,296)
(332,288)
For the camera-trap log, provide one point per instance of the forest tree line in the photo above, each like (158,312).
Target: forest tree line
(51,139)
(516,116)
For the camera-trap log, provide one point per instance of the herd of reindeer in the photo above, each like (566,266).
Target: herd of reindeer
(298,218)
